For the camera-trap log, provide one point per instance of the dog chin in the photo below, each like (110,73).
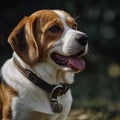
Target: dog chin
(66,69)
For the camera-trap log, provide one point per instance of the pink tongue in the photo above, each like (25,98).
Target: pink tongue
(76,63)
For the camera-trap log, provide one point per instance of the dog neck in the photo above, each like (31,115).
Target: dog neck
(51,86)
(48,72)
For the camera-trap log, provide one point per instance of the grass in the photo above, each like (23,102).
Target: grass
(93,114)
(97,109)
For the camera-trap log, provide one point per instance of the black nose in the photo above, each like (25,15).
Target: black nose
(83,39)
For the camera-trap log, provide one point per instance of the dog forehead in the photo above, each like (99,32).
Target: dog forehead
(64,16)
(46,15)
(49,15)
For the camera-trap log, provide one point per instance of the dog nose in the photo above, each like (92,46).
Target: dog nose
(83,40)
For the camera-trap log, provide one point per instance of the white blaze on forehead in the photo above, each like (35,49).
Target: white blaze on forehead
(62,16)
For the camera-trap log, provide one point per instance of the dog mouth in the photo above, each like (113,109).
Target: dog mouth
(74,62)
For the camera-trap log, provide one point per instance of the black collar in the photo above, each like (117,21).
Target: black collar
(54,90)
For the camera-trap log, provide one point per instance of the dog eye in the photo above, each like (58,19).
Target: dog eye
(74,26)
(55,29)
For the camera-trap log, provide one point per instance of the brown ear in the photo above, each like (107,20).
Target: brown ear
(23,42)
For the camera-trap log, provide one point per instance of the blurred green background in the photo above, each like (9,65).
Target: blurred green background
(100,20)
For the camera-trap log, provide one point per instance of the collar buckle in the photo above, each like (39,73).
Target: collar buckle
(59,90)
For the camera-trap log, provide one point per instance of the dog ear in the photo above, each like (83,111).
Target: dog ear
(23,42)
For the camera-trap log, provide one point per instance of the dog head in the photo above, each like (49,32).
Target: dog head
(50,36)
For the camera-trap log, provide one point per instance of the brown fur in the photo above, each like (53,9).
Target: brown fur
(6,95)
(31,40)
(32,35)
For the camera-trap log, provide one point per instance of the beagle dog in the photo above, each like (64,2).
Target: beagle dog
(35,82)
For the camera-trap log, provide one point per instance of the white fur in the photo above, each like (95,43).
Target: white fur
(70,45)
(67,45)
(33,100)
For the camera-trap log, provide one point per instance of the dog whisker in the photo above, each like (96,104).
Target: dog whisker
(76,17)
(90,51)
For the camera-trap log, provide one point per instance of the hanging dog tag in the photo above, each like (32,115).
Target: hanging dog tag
(56,107)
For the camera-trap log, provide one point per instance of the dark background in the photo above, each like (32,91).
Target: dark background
(100,20)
